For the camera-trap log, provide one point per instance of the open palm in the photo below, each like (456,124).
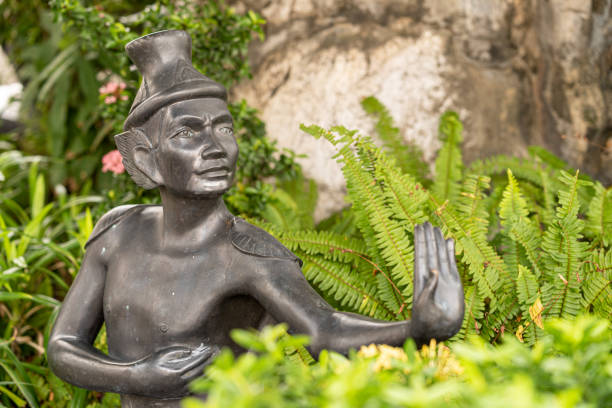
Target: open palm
(438,307)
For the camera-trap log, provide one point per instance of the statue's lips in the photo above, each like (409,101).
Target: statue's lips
(215,172)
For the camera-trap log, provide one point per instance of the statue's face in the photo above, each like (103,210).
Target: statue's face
(197,151)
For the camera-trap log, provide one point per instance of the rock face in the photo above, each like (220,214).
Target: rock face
(519,72)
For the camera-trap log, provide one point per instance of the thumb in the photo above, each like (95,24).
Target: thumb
(431,284)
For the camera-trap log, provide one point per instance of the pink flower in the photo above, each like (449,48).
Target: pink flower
(113,91)
(112,161)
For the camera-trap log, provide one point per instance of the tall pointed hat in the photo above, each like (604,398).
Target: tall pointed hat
(164,60)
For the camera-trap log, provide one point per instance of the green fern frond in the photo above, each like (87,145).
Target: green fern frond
(331,246)
(484,264)
(513,206)
(513,211)
(449,164)
(529,237)
(527,287)
(349,289)
(408,156)
(528,292)
(474,312)
(565,250)
(404,196)
(599,216)
(596,285)
(387,242)
(387,292)
(471,205)
(522,169)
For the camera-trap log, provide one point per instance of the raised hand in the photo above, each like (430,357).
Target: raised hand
(437,310)
(168,372)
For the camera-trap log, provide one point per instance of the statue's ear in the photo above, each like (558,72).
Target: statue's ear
(138,158)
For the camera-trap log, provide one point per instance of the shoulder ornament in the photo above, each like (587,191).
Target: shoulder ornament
(112,218)
(252,240)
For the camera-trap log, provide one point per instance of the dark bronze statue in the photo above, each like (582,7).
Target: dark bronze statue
(170,282)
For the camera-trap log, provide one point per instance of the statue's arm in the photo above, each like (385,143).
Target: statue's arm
(288,297)
(437,311)
(70,351)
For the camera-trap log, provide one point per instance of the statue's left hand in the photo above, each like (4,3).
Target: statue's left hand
(438,306)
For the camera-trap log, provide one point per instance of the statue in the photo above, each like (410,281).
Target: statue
(170,282)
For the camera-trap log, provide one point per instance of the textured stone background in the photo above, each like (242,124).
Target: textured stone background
(519,72)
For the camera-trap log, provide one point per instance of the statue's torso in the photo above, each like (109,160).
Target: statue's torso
(155,299)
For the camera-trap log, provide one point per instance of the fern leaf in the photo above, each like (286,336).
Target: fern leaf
(525,233)
(512,212)
(471,203)
(331,246)
(527,286)
(513,206)
(387,242)
(349,290)
(474,312)
(484,264)
(596,287)
(599,216)
(404,196)
(522,169)
(449,164)
(408,156)
(565,250)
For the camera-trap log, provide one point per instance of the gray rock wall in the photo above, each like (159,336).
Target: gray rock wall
(519,72)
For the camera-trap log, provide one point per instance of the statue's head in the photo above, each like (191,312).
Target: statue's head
(179,132)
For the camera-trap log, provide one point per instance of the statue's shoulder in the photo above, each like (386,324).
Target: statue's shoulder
(252,240)
(113,218)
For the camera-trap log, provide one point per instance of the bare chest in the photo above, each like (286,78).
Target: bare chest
(152,301)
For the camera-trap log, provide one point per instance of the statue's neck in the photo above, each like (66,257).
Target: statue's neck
(192,223)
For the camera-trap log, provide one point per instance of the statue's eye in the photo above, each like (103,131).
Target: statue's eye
(228,131)
(186,132)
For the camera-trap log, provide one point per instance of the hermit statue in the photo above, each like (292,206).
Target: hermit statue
(171,281)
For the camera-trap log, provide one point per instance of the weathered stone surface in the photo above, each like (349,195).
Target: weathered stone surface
(519,72)
(7,73)
(10,90)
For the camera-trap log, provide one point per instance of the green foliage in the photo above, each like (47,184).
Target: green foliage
(41,245)
(571,367)
(448,164)
(532,240)
(408,156)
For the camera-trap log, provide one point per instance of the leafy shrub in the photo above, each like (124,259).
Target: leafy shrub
(570,368)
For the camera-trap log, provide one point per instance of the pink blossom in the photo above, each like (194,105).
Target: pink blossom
(113,91)
(112,161)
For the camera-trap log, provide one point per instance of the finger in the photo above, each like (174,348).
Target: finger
(442,254)
(197,360)
(450,249)
(420,261)
(197,370)
(177,355)
(432,250)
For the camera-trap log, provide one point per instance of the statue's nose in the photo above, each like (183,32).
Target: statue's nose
(212,149)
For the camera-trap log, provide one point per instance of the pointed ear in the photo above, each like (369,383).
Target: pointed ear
(138,160)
